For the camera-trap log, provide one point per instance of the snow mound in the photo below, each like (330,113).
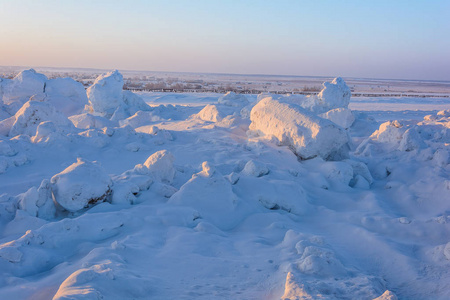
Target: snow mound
(387,295)
(26,84)
(38,201)
(255,168)
(394,135)
(106,97)
(337,172)
(66,95)
(411,140)
(32,113)
(297,290)
(47,132)
(389,132)
(210,113)
(159,165)
(134,103)
(88,121)
(293,290)
(340,116)
(335,94)
(211,195)
(233,99)
(306,134)
(319,274)
(139,119)
(81,184)
(109,280)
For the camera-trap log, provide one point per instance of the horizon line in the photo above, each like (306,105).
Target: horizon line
(239,74)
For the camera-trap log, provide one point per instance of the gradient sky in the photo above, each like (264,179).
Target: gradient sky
(381,39)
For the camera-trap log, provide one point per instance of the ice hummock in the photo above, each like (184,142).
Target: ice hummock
(108,99)
(81,184)
(210,210)
(306,134)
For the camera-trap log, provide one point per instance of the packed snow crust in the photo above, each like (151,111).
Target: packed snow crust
(243,197)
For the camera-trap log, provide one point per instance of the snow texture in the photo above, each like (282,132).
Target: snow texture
(79,185)
(307,135)
(107,99)
(233,99)
(214,196)
(32,113)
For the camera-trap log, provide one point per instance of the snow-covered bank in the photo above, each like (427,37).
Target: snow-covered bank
(240,199)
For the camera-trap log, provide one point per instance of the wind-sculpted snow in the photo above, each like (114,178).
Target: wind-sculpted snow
(235,197)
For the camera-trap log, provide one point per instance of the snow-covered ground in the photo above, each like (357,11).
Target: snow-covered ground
(106,194)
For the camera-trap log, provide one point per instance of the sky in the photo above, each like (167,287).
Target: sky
(374,39)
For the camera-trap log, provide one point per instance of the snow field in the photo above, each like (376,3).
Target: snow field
(289,197)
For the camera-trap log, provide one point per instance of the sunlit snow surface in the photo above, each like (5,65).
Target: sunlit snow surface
(189,203)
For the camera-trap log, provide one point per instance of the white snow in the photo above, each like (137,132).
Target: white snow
(210,113)
(159,165)
(211,196)
(306,134)
(341,116)
(23,86)
(107,99)
(105,95)
(335,94)
(233,99)
(32,113)
(79,185)
(66,95)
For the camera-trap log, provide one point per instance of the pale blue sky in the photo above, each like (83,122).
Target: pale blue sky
(383,39)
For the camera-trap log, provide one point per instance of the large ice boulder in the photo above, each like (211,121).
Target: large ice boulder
(390,132)
(66,95)
(80,185)
(31,114)
(26,84)
(233,99)
(105,95)
(335,94)
(107,99)
(306,134)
